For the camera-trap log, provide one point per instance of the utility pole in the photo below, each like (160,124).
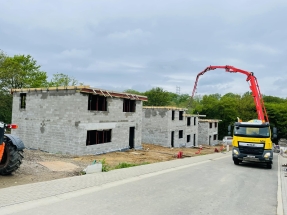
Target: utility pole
(177,90)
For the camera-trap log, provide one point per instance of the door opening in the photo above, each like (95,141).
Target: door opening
(132,138)
(172,139)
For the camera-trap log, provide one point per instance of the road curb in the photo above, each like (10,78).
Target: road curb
(280,210)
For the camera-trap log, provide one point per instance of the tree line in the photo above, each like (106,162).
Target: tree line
(223,107)
(22,71)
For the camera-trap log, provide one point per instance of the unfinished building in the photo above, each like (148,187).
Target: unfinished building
(208,131)
(77,120)
(169,127)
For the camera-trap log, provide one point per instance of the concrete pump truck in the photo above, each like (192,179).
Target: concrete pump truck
(252,140)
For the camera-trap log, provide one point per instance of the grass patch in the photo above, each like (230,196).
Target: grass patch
(127,165)
(105,166)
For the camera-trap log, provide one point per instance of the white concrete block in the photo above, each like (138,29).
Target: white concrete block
(97,167)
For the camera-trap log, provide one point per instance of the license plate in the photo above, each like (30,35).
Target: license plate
(250,156)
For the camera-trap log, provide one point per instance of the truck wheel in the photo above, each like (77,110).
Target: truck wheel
(236,161)
(12,158)
(269,165)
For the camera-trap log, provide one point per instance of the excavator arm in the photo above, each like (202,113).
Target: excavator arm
(253,84)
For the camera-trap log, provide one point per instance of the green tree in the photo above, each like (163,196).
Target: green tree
(273,99)
(157,97)
(21,71)
(2,57)
(131,91)
(61,79)
(5,107)
(246,107)
(278,117)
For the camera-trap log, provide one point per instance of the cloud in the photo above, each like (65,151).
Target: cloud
(140,44)
(257,47)
(74,53)
(129,34)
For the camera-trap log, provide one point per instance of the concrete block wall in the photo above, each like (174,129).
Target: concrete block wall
(206,134)
(58,121)
(177,125)
(192,130)
(158,127)
(155,126)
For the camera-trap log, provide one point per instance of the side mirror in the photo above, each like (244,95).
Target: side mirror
(274,133)
(229,130)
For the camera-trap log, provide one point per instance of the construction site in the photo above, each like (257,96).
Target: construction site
(67,128)
(40,166)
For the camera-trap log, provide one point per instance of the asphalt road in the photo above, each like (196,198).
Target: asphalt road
(217,187)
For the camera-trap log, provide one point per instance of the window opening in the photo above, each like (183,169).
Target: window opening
(97,137)
(180,134)
(172,115)
(180,115)
(23,100)
(188,121)
(188,138)
(129,105)
(210,125)
(214,137)
(97,102)
(194,121)
(215,124)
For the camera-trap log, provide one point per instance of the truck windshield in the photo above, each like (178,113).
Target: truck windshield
(251,131)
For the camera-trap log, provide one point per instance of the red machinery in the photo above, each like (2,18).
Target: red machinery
(253,84)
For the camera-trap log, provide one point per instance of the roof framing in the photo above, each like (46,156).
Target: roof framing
(84,89)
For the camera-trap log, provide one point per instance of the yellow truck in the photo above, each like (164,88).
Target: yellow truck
(252,142)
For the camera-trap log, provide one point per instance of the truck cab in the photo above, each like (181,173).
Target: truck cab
(252,142)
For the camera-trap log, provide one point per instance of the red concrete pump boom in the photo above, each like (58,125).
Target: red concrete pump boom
(251,79)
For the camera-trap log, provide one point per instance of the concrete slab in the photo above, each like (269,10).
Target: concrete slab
(97,167)
(59,166)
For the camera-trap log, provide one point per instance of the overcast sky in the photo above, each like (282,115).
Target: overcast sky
(140,44)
